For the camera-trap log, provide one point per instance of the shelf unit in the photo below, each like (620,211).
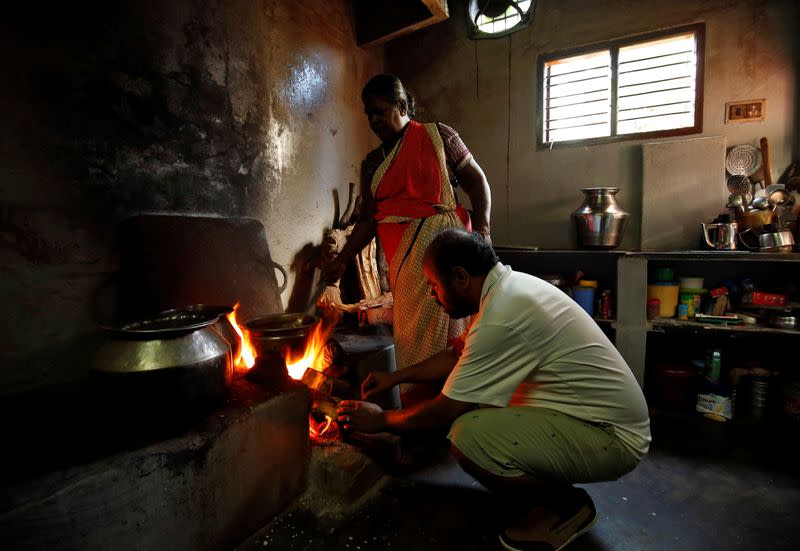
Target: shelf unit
(669,324)
(627,274)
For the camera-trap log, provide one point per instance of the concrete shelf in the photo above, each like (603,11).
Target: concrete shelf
(626,274)
(683,326)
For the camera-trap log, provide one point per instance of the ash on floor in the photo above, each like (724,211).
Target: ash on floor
(690,493)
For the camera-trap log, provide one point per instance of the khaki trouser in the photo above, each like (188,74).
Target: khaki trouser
(540,442)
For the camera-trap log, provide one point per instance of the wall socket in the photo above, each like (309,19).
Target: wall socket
(745,111)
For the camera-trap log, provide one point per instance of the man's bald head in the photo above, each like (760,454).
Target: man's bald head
(457,247)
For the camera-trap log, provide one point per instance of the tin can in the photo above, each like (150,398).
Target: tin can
(605,305)
(683,311)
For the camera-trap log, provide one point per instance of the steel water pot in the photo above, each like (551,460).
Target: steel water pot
(600,222)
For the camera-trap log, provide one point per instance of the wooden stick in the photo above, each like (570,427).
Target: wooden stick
(766,161)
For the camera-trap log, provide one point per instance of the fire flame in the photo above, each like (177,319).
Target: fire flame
(313,356)
(320,426)
(317,429)
(246,358)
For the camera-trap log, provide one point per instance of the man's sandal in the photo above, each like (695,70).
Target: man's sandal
(572,525)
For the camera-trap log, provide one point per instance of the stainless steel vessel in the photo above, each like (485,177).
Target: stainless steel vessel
(773,240)
(600,222)
(272,335)
(779,240)
(179,360)
(722,236)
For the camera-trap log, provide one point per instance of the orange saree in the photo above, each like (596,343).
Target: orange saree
(415,201)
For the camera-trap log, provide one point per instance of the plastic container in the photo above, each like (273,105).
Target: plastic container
(665,275)
(698,295)
(584,296)
(667,293)
(690,283)
(688,300)
(714,366)
(381,315)
(676,386)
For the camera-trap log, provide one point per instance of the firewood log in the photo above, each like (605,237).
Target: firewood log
(366,260)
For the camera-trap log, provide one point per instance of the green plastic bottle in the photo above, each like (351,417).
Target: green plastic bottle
(714,366)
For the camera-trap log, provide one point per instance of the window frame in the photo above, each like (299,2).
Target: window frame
(699,30)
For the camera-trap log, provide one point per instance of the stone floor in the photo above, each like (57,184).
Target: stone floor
(704,486)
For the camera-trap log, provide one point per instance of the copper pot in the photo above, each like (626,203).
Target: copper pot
(755,220)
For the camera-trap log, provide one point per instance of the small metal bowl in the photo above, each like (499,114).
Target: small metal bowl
(783,322)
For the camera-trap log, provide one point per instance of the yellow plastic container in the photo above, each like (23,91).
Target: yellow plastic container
(668,295)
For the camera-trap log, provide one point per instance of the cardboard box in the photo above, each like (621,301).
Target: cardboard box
(712,403)
(765,299)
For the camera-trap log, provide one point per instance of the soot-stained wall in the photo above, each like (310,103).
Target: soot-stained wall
(226,108)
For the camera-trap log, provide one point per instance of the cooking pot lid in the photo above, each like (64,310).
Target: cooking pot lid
(201,309)
(278,323)
(169,323)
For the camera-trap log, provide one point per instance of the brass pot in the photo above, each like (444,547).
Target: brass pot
(755,220)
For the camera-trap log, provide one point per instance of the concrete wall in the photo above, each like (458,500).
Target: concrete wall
(206,489)
(488,91)
(233,108)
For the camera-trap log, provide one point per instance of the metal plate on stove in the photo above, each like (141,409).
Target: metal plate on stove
(177,322)
(277,324)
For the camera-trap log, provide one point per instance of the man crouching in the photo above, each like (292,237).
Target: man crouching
(537,400)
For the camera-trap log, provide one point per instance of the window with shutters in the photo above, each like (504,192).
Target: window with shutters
(639,87)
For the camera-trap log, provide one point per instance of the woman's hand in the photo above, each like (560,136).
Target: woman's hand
(360,416)
(376,382)
(484,231)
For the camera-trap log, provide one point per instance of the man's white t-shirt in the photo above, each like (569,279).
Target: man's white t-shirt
(531,345)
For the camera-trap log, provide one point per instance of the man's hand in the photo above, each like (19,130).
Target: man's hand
(376,382)
(360,416)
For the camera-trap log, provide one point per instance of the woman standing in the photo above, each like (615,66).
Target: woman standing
(408,196)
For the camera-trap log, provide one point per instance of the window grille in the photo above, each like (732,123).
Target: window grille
(628,89)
